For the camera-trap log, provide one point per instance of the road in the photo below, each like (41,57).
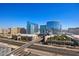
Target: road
(34,52)
(20,50)
(44,49)
(43,53)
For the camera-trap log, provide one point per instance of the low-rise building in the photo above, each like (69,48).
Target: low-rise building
(12,31)
(17,30)
(1,31)
(73,30)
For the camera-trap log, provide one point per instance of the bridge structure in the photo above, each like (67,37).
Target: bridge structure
(38,49)
(20,51)
(29,47)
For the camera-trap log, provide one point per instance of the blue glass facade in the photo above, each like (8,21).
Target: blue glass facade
(32,28)
(43,29)
(53,27)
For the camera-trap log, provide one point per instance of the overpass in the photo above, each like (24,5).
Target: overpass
(21,49)
(35,48)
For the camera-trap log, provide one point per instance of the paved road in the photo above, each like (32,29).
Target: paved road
(53,49)
(34,52)
(20,50)
(42,53)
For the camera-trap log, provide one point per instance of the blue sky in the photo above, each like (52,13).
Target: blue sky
(17,15)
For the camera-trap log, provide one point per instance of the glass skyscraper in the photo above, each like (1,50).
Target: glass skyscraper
(53,27)
(32,28)
(43,29)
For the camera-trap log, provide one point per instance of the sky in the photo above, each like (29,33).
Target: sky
(17,14)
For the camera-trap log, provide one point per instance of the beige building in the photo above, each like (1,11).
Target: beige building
(12,31)
(1,31)
(4,32)
(17,30)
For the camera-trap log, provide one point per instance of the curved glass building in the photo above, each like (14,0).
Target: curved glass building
(53,27)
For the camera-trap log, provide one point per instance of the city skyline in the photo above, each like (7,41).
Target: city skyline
(17,15)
